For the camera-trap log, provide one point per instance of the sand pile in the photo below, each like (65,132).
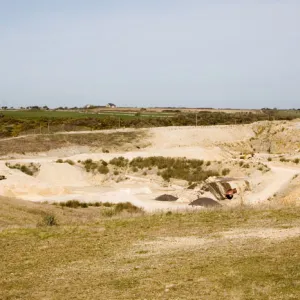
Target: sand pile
(62,174)
(206,202)
(166,197)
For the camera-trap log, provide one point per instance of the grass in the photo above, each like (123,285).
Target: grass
(41,143)
(112,258)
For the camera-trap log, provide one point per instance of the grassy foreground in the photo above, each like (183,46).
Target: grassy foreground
(213,254)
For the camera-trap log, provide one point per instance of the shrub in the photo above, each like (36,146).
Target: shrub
(48,220)
(29,170)
(128,207)
(72,204)
(225,172)
(135,169)
(269,159)
(103,169)
(116,172)
(296,160)
(60,161)
(70,162)
(120,162)
(110,212)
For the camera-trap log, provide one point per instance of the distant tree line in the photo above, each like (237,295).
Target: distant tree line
(13,126)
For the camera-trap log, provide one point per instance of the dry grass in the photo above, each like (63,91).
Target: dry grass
(110,259)
(42,143)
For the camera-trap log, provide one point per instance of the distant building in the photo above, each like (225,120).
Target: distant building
(111,105)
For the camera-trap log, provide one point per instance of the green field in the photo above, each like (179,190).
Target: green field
(36,114)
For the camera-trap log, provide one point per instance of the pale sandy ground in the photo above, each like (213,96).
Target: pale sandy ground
(164,245)
(61,182)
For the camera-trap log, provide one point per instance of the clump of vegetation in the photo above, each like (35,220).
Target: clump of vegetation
(48,220)
(96,166)
(190,170)
(73,204)
(282,159)
(127,206)
(102,169)
(296,160)
(269,158)
(120,162)
(68,161)
(109,209)
(225,172)
(30,169)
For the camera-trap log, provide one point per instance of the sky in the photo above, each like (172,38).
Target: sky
(171,53)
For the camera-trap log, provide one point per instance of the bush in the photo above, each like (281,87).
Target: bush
(60,161)
(71,204)
(225,172)
(120,162)
(103,169)
(104,163)
(100,166)
(128,207)
(70,162)
(29,170)
(135,169)
(269,159)
(296,160)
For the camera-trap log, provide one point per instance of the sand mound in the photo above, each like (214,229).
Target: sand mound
(206,202)
(62,175)
(166,197)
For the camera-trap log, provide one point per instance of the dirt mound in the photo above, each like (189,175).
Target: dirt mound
(166,197)
(62,175)
(206,202)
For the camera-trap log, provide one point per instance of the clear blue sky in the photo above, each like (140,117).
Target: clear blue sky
(239,54)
